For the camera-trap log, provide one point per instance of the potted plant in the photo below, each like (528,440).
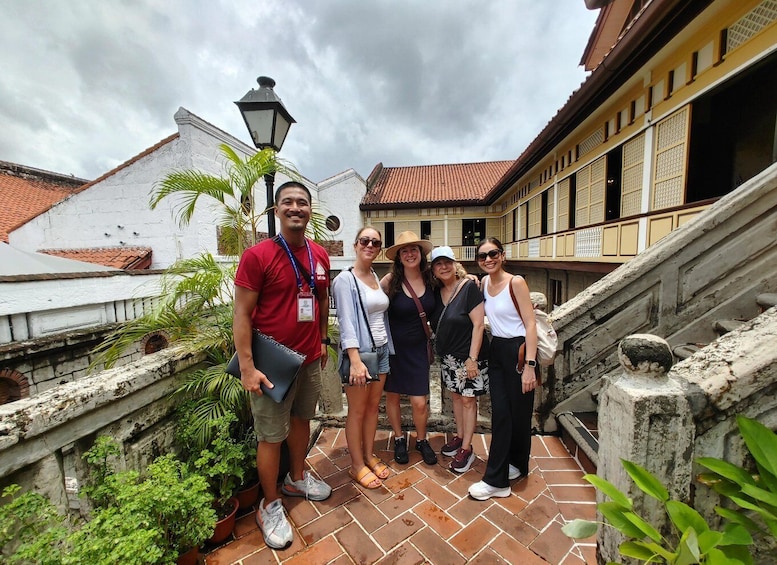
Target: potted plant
(151,517)
(221,461)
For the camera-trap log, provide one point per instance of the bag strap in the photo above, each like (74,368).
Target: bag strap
(522,348)
(455,292)
(421,311)
(361,305)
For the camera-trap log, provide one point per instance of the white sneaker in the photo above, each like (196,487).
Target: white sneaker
(483,491)
(513,473)
(309,487)
(274,525)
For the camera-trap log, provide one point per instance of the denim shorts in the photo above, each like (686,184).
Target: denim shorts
(383,359)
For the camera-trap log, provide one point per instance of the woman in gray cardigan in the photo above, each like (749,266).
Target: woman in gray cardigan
(362,313)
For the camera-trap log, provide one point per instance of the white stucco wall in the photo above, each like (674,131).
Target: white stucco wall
(115,211)
(340,196)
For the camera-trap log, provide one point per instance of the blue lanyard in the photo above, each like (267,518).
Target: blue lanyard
(293,259)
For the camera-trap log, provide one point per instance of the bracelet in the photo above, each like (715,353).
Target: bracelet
(326,341)
(471,358)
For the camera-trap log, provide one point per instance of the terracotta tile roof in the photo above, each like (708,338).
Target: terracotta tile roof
(26,192)
(118,257)
(451,185)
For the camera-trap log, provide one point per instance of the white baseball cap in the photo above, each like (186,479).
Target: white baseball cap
(442,252)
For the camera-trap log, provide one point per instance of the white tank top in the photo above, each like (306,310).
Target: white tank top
(376,303)
(501,313)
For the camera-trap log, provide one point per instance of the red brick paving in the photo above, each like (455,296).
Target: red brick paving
(423,513)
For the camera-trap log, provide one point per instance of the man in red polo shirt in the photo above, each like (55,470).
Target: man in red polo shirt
(282,290)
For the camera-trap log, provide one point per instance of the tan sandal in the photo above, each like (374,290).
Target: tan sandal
(378,467)
(366,478)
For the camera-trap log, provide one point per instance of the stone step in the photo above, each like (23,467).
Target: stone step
(722,327)
(580,434)
(686,350)
(766,300)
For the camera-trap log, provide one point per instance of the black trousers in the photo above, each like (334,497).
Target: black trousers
(511,411)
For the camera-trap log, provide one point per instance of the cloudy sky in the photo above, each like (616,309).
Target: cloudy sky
(87,84)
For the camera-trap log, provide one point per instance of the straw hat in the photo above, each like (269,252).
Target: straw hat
(408,238)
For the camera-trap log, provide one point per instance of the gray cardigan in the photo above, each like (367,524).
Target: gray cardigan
(354,332)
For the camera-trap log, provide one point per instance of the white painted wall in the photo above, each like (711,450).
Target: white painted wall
(340,196)
(115,211)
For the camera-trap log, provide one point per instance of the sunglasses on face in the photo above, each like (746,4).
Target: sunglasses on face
(366,241)
(493,254)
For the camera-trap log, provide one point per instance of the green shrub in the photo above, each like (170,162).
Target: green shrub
(31,529)
(691,540)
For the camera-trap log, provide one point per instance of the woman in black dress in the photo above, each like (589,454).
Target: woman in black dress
(409,367)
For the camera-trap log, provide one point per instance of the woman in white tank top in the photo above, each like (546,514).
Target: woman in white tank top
(512,381)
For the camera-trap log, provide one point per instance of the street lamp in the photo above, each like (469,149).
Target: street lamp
(268,122)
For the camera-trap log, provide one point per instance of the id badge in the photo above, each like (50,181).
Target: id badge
(305,310)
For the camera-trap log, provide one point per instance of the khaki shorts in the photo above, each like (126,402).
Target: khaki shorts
(271,419)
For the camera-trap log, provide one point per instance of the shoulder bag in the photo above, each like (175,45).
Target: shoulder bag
(369,358)
(547,340)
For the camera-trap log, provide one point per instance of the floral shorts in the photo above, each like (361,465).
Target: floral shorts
(454,377)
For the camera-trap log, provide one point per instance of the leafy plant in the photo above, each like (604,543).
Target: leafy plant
(754,493)
(31,529)
(98,458)
(221,461)
(691,540)
(151,518)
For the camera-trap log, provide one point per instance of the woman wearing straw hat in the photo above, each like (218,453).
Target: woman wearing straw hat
(410,291)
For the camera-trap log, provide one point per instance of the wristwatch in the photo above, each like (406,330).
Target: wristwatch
(531,362)
(326,341)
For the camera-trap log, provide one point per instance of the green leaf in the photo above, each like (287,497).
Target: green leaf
(578,528)
(643,525)
(761,441)
(726,470)
(684,517)
(688,549)
(760,494)
(709,539)
(647,482)
(616,516)
(735,534)
(638,550)
(610,490)
(737,517)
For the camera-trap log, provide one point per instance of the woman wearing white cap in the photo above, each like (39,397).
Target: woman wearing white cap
(459,322)
(409,283)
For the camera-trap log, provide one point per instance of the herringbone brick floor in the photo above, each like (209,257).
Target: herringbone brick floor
(424,515)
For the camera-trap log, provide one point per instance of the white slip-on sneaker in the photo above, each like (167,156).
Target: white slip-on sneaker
(483,491)
(513,473)
(308,487)
(274,525)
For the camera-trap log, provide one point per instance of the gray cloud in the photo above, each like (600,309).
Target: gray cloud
(89,83)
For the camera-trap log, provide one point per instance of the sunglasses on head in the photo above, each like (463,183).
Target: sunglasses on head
(493,254)
(365,241)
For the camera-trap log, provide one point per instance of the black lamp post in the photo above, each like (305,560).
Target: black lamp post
(268,122)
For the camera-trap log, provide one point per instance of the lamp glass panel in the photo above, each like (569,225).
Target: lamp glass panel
(260,126)
(281,129)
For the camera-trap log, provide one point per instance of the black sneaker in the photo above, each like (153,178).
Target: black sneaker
(400,450)
(430,458)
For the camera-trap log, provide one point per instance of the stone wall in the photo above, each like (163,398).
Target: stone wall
(665,419)
(43,437)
